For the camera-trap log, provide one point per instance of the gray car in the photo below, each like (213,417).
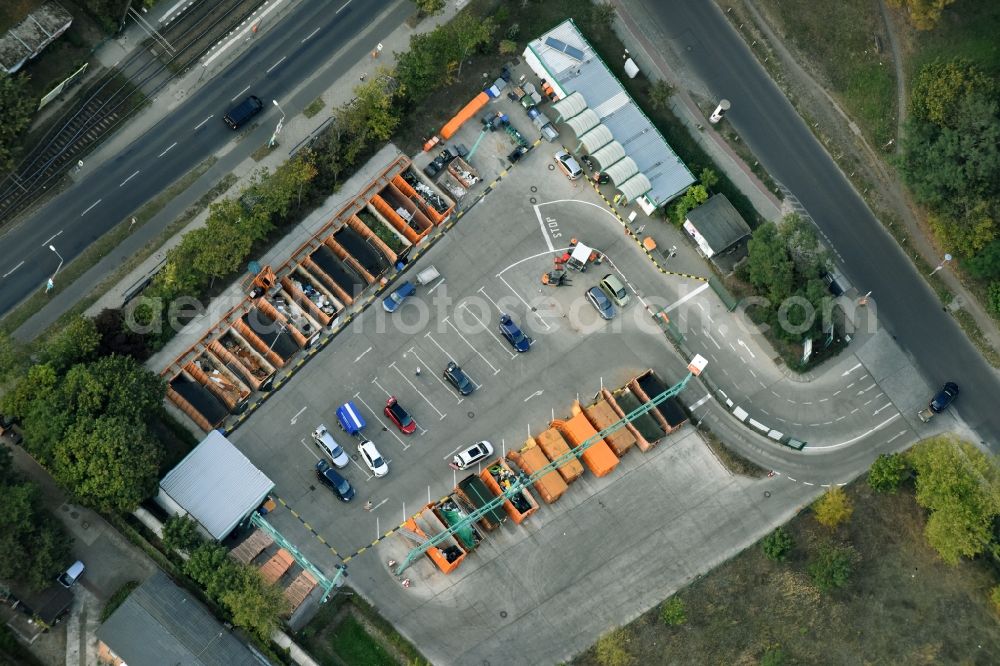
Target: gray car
(615,290)
(601,303)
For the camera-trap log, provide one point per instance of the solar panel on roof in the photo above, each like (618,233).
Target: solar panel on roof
(560,45)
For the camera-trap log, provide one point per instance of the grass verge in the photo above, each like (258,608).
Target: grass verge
(752,606)
(314,107)
(347,630)
(848,46)
(106,243)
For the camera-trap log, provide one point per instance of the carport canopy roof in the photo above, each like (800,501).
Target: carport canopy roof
(583,122)
(622,170)
(609,153)
(635,186)
(570,106)
(217,485)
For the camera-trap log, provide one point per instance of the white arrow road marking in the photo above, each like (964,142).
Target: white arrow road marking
(295,418)
(536,393)
(847,372)
(362,354)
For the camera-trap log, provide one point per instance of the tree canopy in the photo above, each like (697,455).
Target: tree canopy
(33,544)
(924,14)
(833,508)
(16,109)
(960,485)
(887,472)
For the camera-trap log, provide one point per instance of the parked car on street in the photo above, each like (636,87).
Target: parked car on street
(399,416)
(324,440)
(601,303)
(329,477)
(940,402)
(615,290)
(472,455)
(373,459)
(518,340)
(568,165)
(392,302)
(454,374)
(69,577)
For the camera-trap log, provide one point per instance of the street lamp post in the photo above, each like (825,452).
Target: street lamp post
(50,284)
(944,261)
(274,137)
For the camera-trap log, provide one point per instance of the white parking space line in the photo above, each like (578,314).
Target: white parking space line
(438,378)
(486,328)
(450,357)
(375,382)
(310,449)
(240,93)
(495,369)
(381,422)
(419,392)
(483,292)
(364,470)
(530,309)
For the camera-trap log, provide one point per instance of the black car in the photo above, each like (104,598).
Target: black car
(329,477)
(454,374)
(944,397)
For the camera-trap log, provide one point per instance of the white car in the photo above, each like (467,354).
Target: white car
(376,463)
(472,455)
(324,440)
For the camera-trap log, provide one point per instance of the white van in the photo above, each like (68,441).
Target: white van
(324,440)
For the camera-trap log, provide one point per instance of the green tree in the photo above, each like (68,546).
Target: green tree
(13,358)
(117,338)
(966,227)
(223,247)
(773,656)
(960,486)
(993,295)
(255,605)
(778,545)
(429,7)
(507,47)
(995,597)
(33,544)
(660,93)
(695,196)
(114,386)
(602,14)
(77,342)
(16,108)
(887,473)
(924,14)
(942,87)
(181,533)
(769,266)
(708,178)
(374,102)
(833,508)
(110,463)
(470,33)
(36,401)
(672,612)
(211,567)
(832,566)
(985,264)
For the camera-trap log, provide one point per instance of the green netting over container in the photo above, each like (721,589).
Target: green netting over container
(645,424)
(465,534)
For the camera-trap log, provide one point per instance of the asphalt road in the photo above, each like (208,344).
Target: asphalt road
(907,307)
(286,55)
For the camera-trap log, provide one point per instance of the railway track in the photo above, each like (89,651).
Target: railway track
(118,94)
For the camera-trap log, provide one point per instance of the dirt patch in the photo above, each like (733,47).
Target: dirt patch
(751,606)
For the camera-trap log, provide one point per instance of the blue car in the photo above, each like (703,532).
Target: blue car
(392,302)
(518,340)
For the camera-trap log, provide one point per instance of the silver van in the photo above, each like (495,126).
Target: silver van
(69,577)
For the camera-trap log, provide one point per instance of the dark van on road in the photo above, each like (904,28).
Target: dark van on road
(244,111)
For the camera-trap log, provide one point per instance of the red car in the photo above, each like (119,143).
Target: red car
(400,416)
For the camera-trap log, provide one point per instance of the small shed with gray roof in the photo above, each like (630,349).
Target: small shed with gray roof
(160,623)
(718,230)
(216,485)
(27,39)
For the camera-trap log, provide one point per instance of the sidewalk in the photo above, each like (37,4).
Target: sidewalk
(388,28)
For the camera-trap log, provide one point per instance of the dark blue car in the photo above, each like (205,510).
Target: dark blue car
(518,340)
(392,302)
(329,477)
